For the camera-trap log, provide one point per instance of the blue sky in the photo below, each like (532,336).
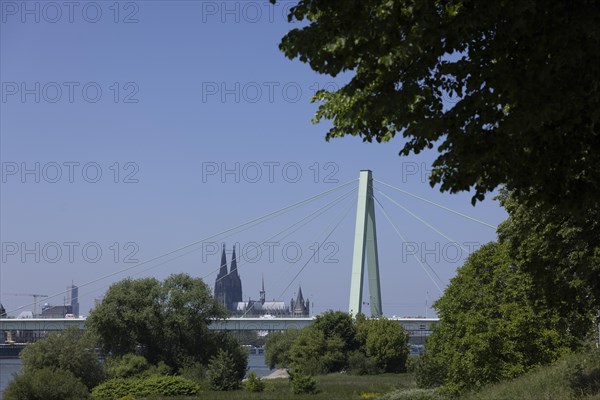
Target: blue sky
(160,97)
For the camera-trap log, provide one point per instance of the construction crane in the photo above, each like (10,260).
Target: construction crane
(35,296)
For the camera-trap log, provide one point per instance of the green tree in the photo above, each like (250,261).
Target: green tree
(387,344)
(340,324)
(561,251)
(277,348)
(492,327)
(523,77)
(221,372)
(133,365)
(164,321)
(68,350)
(46,384)
(239,355)
(314,353)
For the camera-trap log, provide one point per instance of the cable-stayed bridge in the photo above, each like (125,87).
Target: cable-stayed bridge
(365,251)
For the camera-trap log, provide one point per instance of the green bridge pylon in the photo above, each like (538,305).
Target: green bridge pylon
(365,238)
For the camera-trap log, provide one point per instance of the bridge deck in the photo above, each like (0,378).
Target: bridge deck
(414,326)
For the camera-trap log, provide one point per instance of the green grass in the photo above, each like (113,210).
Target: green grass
(331,387)
(574,377)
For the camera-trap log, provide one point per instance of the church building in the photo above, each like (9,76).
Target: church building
(228,291)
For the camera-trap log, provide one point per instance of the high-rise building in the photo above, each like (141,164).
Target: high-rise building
(72,299)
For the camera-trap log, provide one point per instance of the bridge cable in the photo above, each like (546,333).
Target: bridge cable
(329,206)
(422,220)
(302,222)
(245,224)
(343,215)
(437,205)
(417,258)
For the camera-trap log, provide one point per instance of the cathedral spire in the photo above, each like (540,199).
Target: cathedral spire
(235,281)
(233,270)
(223,268)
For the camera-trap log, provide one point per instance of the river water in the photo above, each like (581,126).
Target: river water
(8,368)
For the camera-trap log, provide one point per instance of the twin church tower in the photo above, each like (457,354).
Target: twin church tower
(228,291)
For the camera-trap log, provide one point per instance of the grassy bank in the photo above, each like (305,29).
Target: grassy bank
(331,387)
(574,377)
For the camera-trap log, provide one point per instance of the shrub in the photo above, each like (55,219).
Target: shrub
(429,372)
(114,389)
(387,344)
(226,341)
(221,372)
(361,364)
(412,394)
(302,383)
(148,386)
(277,348)
(194,372)
(46,384)
(67,350)
(583,373)
(126,366)
(254,383)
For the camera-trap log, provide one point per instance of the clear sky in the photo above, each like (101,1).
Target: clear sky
(136,128)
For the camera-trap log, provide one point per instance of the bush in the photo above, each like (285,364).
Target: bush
(412,394)
(411,363)
(226,341)
(387,344)
(277,348)
(584,374)
(221,372)
(360,364)
(313,353)
(302,383)
(194,372)
(126,366)
(254,383)
(573,377)
(148,386)
(46,384)
(429,372)
(67,350)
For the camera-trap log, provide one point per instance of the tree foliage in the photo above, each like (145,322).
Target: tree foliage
(164,321)
(522,79)
(387,344)
(145,387)
(336,342)
(226,341)
(220,376)
(68,350)
(314,353)
(492,327)
(46,384)
(133,365)
(561,252)
(302,383)
(277,348)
